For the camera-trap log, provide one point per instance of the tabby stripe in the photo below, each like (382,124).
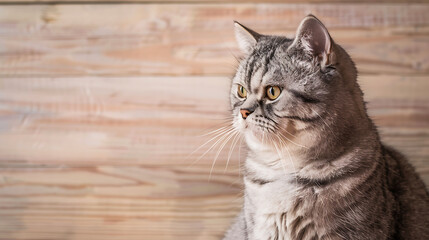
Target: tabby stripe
(315,237)
(283,218)
(306,230)
(346,172)
(299,118)
(249,71)
(239,103)
(296,206)
(295,224)
(267,62)
(303,96)
(363,192)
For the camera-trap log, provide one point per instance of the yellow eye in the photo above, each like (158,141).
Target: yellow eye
(273,92)
(242,92)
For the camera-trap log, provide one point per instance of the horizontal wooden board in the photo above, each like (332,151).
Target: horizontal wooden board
(166,207)
(96,142)
(140,120)
(196,39)
(112,157)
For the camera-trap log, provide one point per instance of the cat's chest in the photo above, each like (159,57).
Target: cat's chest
(280,210)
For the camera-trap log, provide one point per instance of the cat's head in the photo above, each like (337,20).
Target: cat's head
(293,91)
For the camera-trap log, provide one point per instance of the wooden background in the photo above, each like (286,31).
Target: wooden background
(101,104)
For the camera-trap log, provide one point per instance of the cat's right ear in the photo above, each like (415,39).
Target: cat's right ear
(246,37)
(313,37)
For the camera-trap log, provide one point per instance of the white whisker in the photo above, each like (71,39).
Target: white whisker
(239,156)
(326,124)
(297,144)
(223,135)
(225,141)
(228,128)
(280,155)
(290,159)
(214,131)
(231,148)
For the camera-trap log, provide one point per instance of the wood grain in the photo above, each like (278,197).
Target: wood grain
(103,158)
(196,39)
(103,108)
(142,116)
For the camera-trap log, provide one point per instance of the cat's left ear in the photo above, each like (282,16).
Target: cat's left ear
(246,37)
(314,38)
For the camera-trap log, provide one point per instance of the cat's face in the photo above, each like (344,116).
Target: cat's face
(284,87)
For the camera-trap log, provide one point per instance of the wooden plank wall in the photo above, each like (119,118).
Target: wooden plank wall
(102,103)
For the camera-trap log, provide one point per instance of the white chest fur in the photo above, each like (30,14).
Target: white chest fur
(277,208)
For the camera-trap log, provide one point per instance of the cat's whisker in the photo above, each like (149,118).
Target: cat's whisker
(239,155)
(225,141)
(297,144)
(290,159)
(326,124)
(211,139)
(280,155)
(228,118)
(221,136)
(231,148)
(214,131)
(222,121)
(272,120)
(263,137)
(284,129)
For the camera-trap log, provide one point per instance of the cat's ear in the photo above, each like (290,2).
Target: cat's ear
(246,37)
(314,38)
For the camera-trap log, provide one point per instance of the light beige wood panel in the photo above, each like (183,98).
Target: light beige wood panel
(109,157)
(116,203)
(196,39)
(140,120)
(102,159)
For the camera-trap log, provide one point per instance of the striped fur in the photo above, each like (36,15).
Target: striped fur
(316,168)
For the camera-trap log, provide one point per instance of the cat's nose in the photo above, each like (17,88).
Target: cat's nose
(245,113)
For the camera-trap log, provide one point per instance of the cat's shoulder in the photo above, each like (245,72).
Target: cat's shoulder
(398,166)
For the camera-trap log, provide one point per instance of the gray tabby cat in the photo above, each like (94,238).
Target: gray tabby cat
(316,168)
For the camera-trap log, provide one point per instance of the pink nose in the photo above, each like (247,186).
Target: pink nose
(245,113)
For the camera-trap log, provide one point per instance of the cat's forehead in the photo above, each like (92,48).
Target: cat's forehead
(268,64)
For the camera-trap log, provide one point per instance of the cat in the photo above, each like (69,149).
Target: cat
(315,167)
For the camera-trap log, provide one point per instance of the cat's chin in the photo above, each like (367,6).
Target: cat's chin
(257,138)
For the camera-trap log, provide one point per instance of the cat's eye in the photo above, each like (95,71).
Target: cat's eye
(241,91)
(273,92)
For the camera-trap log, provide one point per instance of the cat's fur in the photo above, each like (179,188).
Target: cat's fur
(316,168)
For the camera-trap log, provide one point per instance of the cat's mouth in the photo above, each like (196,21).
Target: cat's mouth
(259,126)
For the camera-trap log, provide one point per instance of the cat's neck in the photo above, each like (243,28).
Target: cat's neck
(325,160)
